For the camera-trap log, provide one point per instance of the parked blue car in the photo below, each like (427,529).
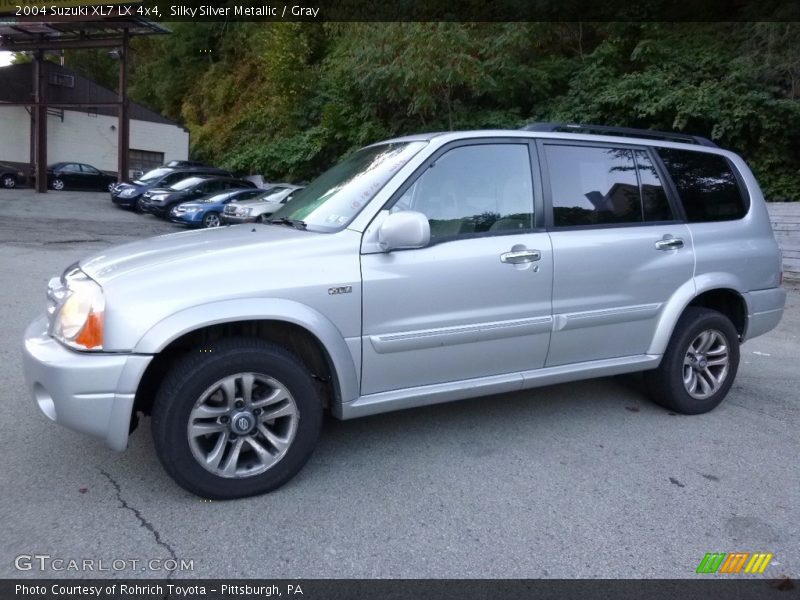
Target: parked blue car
(206,211)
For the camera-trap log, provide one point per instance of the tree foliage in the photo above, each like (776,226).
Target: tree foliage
(288,99)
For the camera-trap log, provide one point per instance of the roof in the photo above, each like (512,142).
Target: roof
(16,85)
(444,137)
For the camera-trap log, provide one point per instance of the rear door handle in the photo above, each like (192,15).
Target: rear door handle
(669,244)
(521,256)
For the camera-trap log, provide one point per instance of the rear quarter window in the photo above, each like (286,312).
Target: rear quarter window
(706,184)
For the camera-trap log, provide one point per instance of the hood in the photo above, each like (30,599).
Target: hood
(219,245)
(158,190)
(203,205)
(254,203)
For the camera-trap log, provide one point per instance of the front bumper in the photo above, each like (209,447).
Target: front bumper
(233,220)
(88,392)
(190,219)
(160,210)
(129,201)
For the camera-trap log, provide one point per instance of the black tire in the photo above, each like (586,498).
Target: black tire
(665,385)
(262,218)
(9,181)
(186,382)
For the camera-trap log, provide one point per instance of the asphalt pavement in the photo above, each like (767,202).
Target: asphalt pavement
(577,480)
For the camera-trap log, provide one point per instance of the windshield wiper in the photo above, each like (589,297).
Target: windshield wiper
(296,223)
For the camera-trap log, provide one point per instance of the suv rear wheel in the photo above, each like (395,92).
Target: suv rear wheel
(699,365)
(236,418)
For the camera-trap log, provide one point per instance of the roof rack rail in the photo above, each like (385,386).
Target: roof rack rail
(650,134)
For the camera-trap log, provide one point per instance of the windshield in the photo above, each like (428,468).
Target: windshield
(334,198)
(152,175)
(186,183)
(273,195)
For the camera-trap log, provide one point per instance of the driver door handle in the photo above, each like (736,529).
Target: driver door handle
(669,244)
(521,256)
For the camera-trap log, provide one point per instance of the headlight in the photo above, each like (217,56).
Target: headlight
(192,209)
(243,212)
(127,192)
(79,313)
(158,197)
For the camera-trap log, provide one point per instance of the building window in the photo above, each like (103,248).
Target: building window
(62,80)
(144,160)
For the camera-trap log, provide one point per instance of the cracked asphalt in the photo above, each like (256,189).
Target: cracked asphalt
(577,480)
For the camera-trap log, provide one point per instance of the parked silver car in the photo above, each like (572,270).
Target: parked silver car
(259,208)
(422,269)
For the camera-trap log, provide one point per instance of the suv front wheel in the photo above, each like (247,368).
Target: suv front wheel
(700,363)
(236,418)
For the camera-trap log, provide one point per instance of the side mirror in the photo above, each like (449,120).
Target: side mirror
(406,229)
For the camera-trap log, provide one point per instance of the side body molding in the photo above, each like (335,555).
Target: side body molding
(260,309)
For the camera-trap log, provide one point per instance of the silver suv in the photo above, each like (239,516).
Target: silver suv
(422,269)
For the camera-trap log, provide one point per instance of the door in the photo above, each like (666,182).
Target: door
(93,179)
(619,252)
(70,174)
(476,301)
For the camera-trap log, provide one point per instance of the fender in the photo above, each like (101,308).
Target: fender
(182,322)
(682,297)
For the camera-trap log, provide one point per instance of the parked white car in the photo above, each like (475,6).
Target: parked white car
(259,208)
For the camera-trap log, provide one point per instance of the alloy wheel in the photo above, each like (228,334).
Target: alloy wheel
(706,364)
(242,425)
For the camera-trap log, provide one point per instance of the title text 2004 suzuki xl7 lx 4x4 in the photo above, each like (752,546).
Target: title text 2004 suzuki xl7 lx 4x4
(422,269)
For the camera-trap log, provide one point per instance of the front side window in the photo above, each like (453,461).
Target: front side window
(706,185)
(485,188)
(334,198)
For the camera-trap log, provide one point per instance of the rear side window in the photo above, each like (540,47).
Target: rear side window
(706,185)
(604,186)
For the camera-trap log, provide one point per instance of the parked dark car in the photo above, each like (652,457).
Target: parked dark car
(69,175)
(127,194)
(11,177)
(159,201)
(206,212)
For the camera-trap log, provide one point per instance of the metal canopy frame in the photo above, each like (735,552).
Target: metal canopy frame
(41,36)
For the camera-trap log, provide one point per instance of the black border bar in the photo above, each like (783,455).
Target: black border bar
(700,587)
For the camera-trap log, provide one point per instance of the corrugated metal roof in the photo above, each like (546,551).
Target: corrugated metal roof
(14,31)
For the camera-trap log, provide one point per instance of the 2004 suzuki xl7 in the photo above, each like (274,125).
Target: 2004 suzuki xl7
(422,269)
